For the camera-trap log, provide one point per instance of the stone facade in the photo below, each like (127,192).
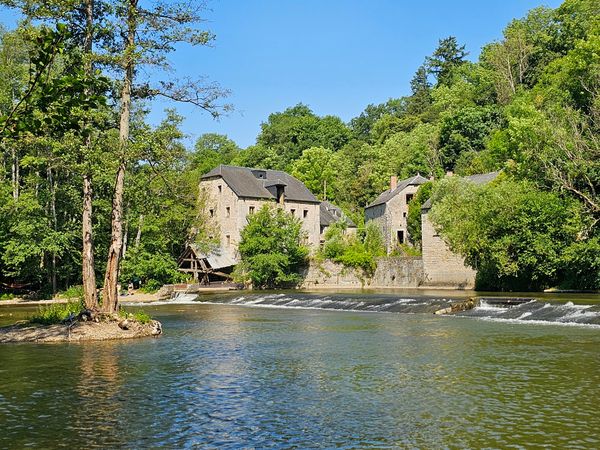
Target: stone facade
(228,213)
(390,211)
(441,266)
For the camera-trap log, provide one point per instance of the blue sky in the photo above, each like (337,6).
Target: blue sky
(336,56)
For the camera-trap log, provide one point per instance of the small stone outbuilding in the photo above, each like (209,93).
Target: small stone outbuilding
(441,266)
(390,210)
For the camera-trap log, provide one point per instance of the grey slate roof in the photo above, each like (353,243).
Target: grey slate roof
(331,214)
(386,196)
(253,183)
(479,178)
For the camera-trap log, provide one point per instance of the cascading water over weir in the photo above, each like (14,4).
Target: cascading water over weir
(523,310)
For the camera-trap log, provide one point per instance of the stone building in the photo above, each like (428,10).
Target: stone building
(390,210)
(331,214)
(441,266)
(233,193)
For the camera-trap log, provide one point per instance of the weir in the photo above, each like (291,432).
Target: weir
(513,309)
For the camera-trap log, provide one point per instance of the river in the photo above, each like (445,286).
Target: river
(229,373)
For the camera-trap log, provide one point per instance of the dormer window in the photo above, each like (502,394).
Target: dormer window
(260,174)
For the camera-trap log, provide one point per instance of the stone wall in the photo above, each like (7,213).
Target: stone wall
(390,273)
(441,266)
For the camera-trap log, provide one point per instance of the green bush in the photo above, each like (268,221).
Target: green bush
(351,251)
(139,316)
(56,312)
(151,286)
(271,249)
(513,233)
(582,265)
(6,297)
(405,250)
(72,292)
(152,269)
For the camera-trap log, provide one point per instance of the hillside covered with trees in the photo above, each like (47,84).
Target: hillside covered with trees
(529,106)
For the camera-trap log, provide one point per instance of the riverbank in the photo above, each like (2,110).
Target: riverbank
(140,297)
(79,331)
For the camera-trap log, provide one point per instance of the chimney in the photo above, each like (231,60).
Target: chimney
(393,182)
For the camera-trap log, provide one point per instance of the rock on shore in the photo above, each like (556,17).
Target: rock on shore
(78,331)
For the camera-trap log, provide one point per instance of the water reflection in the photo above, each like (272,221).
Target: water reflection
(228,376)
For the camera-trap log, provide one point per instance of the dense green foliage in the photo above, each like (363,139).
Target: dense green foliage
(56,313)
(271,249)
(353,250)
(513,233)
(529,106)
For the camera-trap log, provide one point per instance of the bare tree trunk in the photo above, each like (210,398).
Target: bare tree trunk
(110,295)
(90,297)
(89,275)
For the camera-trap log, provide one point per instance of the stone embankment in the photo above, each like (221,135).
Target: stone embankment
(79,331)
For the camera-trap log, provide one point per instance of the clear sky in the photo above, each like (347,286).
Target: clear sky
(336,56)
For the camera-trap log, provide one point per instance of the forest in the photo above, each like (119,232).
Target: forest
(83,170)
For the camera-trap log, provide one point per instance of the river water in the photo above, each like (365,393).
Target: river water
(229,373)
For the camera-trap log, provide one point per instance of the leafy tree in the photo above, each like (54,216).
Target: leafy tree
(446,57)
(147,36)
(420,100)
(271,249)
(314,168)
(362,125)
(259,156)
(212,149)
(292,131)
(466,131)
(414,152)
(512,233)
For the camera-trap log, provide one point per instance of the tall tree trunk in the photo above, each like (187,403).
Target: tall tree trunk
(52,186)
(15,174)
(89,275)
(125,237)
(110,294)
(90,298)
(138,236)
